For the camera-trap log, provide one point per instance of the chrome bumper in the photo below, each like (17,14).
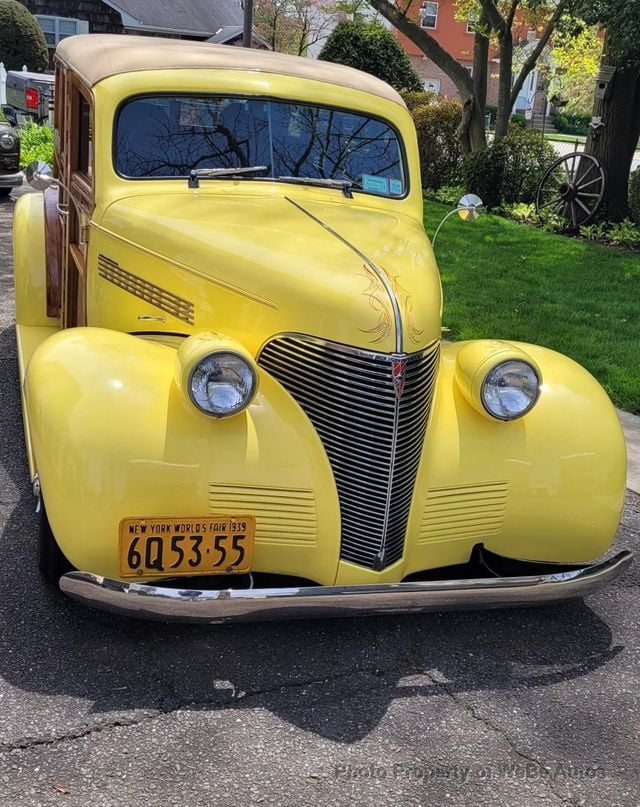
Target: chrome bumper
(254,605)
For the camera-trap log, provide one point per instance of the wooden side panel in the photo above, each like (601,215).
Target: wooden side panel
(53,252)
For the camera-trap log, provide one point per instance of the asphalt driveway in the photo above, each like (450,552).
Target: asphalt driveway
(512,708)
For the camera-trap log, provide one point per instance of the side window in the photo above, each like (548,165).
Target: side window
(83,157)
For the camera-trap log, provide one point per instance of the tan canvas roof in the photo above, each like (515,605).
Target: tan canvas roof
(97,56)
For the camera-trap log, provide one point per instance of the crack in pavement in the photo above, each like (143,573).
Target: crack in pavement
(470,711)
(25,743)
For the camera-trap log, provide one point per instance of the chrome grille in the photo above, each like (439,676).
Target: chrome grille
(373,437)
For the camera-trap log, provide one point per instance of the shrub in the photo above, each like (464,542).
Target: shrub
(369,46)
(21,40)
(509,170)
(518,119)
(624,234)
(522,212)
(553,222)
(416,98)
(483,171)
(449,194)
(36,143)
(528,155)
(573,124)
(634,196)
(441,156)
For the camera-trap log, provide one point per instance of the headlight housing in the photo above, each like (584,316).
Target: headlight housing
(500,380)
(510,389)
(222,383)
(8,141)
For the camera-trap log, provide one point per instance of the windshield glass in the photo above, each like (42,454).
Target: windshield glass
(168,136)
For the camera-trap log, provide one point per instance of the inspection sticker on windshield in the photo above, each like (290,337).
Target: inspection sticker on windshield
(375,184)
(395,187)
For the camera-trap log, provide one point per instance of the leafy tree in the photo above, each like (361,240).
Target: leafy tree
(352,9)
(369,46)
(573,66)
(497,19)
(614,142)
(21,40)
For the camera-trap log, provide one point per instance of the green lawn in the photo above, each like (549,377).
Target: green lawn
(565,138)
(507,281)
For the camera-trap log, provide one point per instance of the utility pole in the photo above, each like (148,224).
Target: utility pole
(248,24)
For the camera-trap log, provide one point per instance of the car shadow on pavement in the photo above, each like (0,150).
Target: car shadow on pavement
(335,678)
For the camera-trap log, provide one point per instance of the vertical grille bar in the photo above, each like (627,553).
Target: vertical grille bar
(370,411)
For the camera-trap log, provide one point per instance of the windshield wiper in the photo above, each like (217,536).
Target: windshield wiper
(196,174)
(345,185)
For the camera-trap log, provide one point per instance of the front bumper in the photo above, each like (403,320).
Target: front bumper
(254,605)
(11,180)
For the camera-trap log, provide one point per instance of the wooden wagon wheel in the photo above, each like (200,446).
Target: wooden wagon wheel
(573,187)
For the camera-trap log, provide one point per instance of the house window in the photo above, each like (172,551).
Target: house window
(57,28)
(429,15)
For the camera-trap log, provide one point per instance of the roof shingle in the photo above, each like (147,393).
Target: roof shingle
(203,17)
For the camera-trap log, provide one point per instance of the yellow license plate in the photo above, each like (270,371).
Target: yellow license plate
(150,547)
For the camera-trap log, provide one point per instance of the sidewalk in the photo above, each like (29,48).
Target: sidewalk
(563,148)
(631,428)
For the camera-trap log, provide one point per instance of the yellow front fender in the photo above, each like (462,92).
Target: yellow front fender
(547,487)
(114,437)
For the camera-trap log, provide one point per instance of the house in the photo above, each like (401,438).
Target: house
(180,19)
(232,35)
(456,36)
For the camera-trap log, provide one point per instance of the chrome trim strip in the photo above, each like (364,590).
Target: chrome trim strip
(187,268)
(380,274)
(255,605)
(167,301)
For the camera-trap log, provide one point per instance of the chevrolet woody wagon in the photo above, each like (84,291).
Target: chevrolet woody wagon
(237,403)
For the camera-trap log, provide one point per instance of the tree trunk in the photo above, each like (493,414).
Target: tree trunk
(471,132)
(504,88)
(615,143)
(481,66)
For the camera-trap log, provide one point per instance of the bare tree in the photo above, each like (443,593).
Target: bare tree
(294,26)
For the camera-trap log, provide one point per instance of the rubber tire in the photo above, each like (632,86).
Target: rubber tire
(51,560)
(5,191)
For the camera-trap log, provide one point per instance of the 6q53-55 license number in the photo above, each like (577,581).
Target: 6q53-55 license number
(186,546)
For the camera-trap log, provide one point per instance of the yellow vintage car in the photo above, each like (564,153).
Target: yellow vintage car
(237,404)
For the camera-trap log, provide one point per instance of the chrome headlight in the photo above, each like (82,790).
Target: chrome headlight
(222,383)
(510,390)
(8,141)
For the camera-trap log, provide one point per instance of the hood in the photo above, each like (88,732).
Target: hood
(340,272)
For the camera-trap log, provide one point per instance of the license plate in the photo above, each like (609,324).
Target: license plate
(151,547)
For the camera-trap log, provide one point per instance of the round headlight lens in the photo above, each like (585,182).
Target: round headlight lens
(7,141)
(510,390)
(222,384)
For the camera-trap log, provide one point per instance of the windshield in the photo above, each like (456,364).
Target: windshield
(169,136)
